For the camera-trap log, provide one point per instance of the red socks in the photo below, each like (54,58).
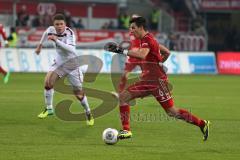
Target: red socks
(182,114)
(125,116)
(190,118)
(2,71)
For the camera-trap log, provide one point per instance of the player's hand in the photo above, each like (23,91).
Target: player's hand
(165,69)
(6,44)
(113,47)
(38,49)
(52,37)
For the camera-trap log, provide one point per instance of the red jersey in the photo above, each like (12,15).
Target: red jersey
(2,34)
(135,43)
(150,65)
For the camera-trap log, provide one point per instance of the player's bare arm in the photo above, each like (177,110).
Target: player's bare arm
(139,53)
(38,49)
(164,52)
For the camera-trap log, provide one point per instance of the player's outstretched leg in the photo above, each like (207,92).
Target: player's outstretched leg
(125,133)
(84,102)
(89,116)
(6,78)
(50,79)
(190,118)
(6,75)
(48,111)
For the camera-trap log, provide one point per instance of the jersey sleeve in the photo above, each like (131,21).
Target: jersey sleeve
(71,39)
(49,31)
(67,47)
(70,43)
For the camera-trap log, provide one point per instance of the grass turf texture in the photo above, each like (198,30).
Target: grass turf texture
(216,98)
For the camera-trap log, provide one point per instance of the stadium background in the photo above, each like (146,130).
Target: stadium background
(204,68)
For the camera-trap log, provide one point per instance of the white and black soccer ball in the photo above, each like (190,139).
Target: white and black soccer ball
(110,136)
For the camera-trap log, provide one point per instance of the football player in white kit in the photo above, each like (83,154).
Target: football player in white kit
(64,65)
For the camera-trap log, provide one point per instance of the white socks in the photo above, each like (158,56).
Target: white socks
(85,104)
(48,95)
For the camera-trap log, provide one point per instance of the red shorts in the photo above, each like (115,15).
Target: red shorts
(159,89)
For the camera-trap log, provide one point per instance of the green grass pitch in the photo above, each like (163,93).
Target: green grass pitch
(25,137)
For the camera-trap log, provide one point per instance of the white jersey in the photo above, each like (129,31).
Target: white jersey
(65,44)
(66,62)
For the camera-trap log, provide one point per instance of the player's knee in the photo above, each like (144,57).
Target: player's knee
(79,94)
(48,86)
(121,98)
(170,114)
(80,97)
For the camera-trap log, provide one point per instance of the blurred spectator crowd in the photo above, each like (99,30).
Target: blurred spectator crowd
(175,40)
(44,20)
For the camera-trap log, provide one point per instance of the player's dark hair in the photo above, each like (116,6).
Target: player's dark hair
(140,22)
(59,16)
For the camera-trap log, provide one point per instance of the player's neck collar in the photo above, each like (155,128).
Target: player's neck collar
(146,33)
(63,31)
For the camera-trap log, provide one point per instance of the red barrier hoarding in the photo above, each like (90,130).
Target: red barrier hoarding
(30,37)
(76,9)
(228,62)
(84,38)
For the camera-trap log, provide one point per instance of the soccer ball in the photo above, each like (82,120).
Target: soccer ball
(110,136)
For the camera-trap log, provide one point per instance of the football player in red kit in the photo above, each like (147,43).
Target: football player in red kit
(4,37)
(132,62)
(153,81)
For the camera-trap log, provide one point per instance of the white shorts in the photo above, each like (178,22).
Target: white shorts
(73,74)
